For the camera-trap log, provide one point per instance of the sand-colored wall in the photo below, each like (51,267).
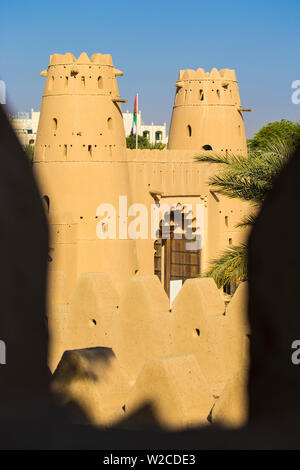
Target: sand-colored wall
(189,362)
(75,190)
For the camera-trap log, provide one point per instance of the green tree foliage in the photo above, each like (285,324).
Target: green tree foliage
(231,266)
(29,149)
(143,143)
(284,130)
(248,179)
(157,146)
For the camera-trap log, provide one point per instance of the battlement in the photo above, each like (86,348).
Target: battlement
(96,74)
(197,351)
(69,58)
(200,74)
(200,88)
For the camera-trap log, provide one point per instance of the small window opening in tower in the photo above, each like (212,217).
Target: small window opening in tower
(90,150)
(225,86)
(201,93)
(51,83)
(65,150)
(185,95)
(109,123)
(230,241)
(54,124)
(226,220)
(189,131)
(207,147)
(66,82)
(100,82)
(82,82)
(218,94)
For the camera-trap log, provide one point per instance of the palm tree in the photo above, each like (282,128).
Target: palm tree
(248,178)
(29,149)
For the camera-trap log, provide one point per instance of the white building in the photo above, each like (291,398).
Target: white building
(26,125)
(154,133)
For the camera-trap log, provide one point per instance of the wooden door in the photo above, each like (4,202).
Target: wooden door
(179,263)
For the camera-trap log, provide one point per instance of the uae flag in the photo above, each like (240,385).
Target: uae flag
(134,121)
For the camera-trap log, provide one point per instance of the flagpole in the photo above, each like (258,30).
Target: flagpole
(137,113)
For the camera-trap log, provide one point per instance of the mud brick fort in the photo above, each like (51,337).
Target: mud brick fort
(116,343)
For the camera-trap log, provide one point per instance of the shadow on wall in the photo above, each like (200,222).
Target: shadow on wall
(29,416)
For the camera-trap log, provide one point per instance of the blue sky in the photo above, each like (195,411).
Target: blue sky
(151,41)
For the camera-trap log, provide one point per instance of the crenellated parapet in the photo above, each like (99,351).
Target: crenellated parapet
(200,88)
(67,75)
(190,362)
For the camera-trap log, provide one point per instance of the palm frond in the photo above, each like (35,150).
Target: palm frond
(280,148)
(234,186)
(232,265)
(246,221)
(249,177)
(213,158)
